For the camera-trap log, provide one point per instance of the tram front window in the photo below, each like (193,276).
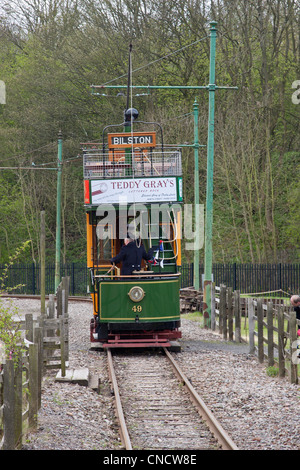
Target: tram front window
(104,249)
(103,245)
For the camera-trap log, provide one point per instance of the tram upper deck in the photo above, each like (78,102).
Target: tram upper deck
(131,166)
(139,163)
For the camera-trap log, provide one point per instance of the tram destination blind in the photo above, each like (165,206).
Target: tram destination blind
(135,139)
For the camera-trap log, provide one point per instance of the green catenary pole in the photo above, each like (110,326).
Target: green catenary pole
(196,193)
(58,212)
(128,118)
(209,181)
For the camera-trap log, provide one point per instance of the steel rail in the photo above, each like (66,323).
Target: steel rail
(215,427)
(123,429)
(72,298)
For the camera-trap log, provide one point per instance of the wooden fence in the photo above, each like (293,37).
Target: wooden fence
(273,319)
(21,377)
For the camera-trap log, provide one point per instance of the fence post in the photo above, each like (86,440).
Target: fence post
(224,312)
(281,360)
(225,315)
(33,387)
(293,347)
(260,333)
(29,327)
(50,314)
(38,340)
(222,308)
(270,334)
(65,284)
(66,288)
(237,316)
(51,306)
(59,306)
(9,406)
(213,306)
(251,325)
(62,345)
(18,402)
(230,313)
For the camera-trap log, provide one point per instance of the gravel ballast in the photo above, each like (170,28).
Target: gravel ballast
(259,412)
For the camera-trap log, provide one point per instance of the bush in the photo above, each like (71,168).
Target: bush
(10,332)
(272,371)
(11,343)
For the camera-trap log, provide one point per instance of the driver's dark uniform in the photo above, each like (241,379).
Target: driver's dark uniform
(131,257)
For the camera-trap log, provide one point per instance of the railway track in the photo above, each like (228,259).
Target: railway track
(158,409)
(73,298)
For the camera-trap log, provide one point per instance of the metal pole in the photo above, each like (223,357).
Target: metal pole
(209,181)
(128,119)
(42,270)
(58,211)
(196,194)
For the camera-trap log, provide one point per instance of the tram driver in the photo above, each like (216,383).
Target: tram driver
(131,255)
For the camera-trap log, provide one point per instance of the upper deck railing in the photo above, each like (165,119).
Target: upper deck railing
(139,163)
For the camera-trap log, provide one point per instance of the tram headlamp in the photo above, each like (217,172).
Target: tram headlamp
(136,294)
(131,114)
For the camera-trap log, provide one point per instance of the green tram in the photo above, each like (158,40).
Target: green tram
(133,189)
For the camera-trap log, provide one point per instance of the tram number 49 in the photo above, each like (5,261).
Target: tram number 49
(137,308)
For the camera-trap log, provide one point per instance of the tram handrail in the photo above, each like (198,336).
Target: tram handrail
(145,274)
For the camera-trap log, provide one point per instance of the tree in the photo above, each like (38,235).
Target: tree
(53,50)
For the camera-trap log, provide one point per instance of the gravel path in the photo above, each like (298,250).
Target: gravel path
(259,412)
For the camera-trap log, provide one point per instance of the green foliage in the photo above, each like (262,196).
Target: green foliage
(11,343)
(50,58)
(272,371)
(293,204)
(12,259)
(10,333)
(12,220)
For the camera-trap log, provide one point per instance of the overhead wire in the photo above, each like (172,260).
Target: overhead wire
(28,152)
(158,60)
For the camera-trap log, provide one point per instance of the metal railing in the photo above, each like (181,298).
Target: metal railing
(247,278)
(140,163)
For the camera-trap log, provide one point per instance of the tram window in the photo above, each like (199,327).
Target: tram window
(103,248)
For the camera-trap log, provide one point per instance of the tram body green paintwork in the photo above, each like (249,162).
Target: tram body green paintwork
(160,302)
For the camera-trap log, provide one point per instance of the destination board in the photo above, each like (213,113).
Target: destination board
(144,190)
(133,139)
